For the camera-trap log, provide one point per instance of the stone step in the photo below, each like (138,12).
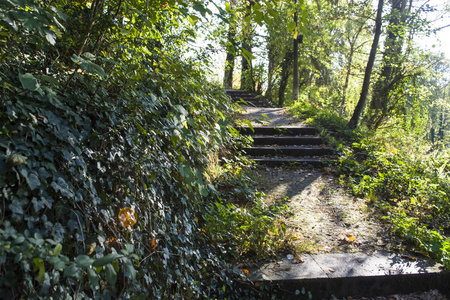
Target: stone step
(239,92)
(253,102)
(252,98)
(277,130)
(288,151)
(350,275)
(246,98)
(289,161)
(286,140)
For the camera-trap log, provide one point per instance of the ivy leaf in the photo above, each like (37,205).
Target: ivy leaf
(61,185)
(71,271)
(111,275)
(83,261)
(38,205)
(33,180)
(93,278)
(28,81)
(107,259)
(16,206)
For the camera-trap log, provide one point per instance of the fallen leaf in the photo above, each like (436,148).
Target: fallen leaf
(299,260)
(349,238)
(91,248)
(244,271)
(153,244)
(127,216)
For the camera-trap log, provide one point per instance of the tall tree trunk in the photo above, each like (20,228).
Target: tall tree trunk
(231,49)
(390,77)
(247,82)
(270,71)
(286,69)
(366,83)
(295,62)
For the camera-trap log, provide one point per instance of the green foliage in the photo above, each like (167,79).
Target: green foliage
(237,218)
(246,231)
(412,193)
(329,124)
(105,113)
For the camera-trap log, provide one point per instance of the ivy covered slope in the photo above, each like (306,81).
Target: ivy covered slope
(100,111)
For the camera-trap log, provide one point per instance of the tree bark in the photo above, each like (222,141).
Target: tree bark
(231,50)
(247,82)
(295,64)
(353,123)
(270,72)
(286,67)
(390,76)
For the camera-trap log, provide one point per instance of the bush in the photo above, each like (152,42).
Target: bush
(100,111)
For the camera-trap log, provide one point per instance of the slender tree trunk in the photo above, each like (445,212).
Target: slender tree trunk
(247,82)
(295,70)
(390,76)
(270,72)
(231,50)
(347,79)
(366,83)
(286,69)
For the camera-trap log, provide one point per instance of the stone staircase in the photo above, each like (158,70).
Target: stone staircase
(282,145)
(248,98)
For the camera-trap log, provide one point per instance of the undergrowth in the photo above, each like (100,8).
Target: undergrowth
(400,172)
(238,220)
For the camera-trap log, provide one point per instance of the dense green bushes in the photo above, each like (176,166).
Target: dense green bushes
(412,194)
(100,111)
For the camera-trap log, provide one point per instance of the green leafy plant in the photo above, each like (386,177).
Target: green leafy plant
(247,231)
(101,111)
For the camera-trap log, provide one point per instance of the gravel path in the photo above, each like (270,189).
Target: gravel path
(327,219)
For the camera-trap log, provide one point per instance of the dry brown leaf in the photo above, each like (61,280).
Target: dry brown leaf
(299,260)
(153,244)
(91,248)
(349,238)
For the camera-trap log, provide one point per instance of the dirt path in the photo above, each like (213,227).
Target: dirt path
(326,218)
